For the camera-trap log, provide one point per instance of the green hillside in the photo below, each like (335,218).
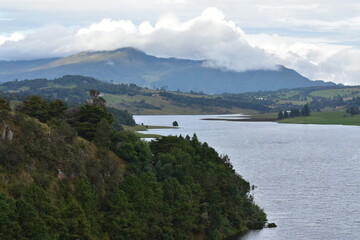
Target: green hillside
(74,89)
(335,117)
(66,173)
(137,100)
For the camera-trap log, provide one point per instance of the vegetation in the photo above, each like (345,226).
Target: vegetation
(123,97)
(71,175)
(75,89)
(305,111)
(335,117)
(353,110)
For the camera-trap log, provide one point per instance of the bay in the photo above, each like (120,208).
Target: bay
(307,176)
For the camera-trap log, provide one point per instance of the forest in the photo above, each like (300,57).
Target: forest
(69,172)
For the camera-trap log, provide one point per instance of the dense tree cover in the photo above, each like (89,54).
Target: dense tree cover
(286,114)
(280,115)
(121,117)
(84,119)
(294,112)
(353,110)
(87,120)
(4,104)
(305,111)
(36,107)
(69,88)
(218,101)
(56,185)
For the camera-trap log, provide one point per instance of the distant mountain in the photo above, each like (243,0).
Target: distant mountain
(128,65)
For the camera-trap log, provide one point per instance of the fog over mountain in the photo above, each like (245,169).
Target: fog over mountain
(128,65)
(325,49)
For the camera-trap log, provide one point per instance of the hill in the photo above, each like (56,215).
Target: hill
(128,65)
(67,174)
(75,89)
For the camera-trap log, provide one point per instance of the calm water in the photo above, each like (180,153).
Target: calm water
(307,176)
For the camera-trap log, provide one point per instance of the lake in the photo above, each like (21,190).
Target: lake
(307,176)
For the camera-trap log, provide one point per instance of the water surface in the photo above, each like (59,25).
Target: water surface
(307,176)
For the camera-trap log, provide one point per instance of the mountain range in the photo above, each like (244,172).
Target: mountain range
(129,65)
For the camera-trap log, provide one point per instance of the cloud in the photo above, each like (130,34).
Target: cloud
(315,58)
(12,38)
(210,36)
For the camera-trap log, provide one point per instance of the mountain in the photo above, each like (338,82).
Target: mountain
(128,65)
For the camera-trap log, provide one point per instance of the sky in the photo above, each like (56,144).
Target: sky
(318,38)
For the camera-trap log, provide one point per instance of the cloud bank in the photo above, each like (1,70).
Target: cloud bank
(209,36)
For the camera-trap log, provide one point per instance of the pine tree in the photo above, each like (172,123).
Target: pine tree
(280,115)
(286,114)
(295,112)
(4,104)
(305,111)
(103,133)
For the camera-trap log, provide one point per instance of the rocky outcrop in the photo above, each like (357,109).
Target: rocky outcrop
(271,225)
(7,134)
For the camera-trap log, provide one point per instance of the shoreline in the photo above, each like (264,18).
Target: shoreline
(242,119)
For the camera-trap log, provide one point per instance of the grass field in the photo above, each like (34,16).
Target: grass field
(293,102)
(337,118)
(165,107)
(343,92)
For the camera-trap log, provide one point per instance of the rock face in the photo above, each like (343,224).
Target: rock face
(7,134)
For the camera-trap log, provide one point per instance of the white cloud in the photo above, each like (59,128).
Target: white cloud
(209,36)
(315,58)
(12,38)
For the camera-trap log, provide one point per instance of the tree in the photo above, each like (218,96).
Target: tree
(89,117)
(286,114)
(103,134)
(353,110)
(175,124)
(9,226)
(4,104)
(295,112)
(32,226)
(75,219)
(36,107)
(305,111)
(121,220)
(96,99)
(57,108)
(121,117)
(280,115)
(94,93)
